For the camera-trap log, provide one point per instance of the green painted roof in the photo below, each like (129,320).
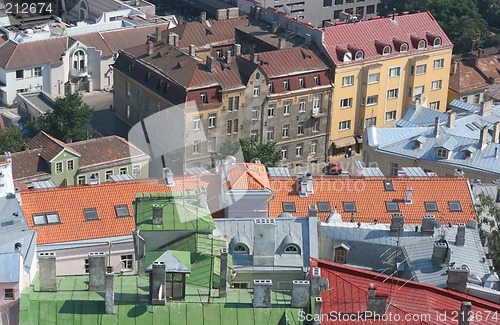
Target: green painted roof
(73,304)
(179,212)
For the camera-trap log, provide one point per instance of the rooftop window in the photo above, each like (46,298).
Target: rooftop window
(122,211)
(90,214)
(324,207)
(431,206)
(455,206)
(349,206)
(292,249)
(392,206)
(46,218)
(289,207)
(388,186)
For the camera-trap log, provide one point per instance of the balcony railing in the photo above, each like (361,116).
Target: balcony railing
(78,72)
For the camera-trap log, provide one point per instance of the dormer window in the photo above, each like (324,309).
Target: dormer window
(386,50)
(437,41)
(421,45)
(442,153)
(240,249)
(340,253)
(403,47)
(359,55)
(347,57)
(292,249)
(417,144)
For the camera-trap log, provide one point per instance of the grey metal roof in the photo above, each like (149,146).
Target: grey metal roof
(414,172)
(122,177)
(278,172)
(9,267)
(40,99)
(420,116)
(172,264)
(415,249)
(43,184)
(458,105)
(197,171)
(490,190)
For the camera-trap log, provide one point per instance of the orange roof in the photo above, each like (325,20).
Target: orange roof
(247,176)
(370,196)
(70,202)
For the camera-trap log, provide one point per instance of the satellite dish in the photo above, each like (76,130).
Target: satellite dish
(287,10)
(216,233)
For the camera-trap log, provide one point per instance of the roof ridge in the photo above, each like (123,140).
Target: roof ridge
(59,142)
(12,53)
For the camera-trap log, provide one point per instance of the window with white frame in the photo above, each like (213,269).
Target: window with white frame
(346,103)
(28,73)
(270,133)
(314,146)
(394,72)
(419,90)
(212,120)
(317,81)
(300,128)
(37,71)
(255,113)
(211,144)
(477,98)
(390,116)
(345,125)
(436,84)
(108,174)
(230,104)
(284,153)
(197,122)
(374,78)
(70,165)
(438,64)
(403,47)
(421,45)
(386,50)
(254,135)
(196,147)
(316,125)
(123,170)
(59,167)
(302,82)
(271,87)
(437,41)
(393,169)
(229,127)
(371,121)
(348,81)
(316,103)
(286,131)
(256,91)
(127,262)
(372,100)
(359,55)
(286,108)
(204,98)
(19,74)
(442,153)
(434,105)
(270,110)
(81,180)
(421,69)
(136,170)
(235,125)
(94,177)
(236,103)
(298,150)
(302,104)
(392,93)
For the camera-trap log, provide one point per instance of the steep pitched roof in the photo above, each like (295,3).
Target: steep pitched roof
(125,38)
(17,55)
(247,176)
(28,165)
(51,147)
(370,197)
(371,36)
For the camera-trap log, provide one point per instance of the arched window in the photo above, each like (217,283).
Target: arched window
(240,249)
(403,47)
(359,55)
(421,45)
(437,41)
(292,249)
(79,60)
(387,50)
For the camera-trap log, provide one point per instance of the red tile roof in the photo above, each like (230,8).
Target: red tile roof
(16,55)
(370,197)
(370,35)
(51,147)
(70,202)
(470,77)
(408,301)
(247,176)
(124,38)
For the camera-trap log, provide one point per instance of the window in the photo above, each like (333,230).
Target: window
(314,145)
(286,108)
(403,47)
(386,50)
(300,128)
(327,3)
(316,79)
(29,73)
(108,174)
(390,116)
(240,249)
(394,72)
(417,91)
(81,180)
(346,103)
(59,167)
(255,113)
(254,135)
(359,55)
(90,214)
(229,126)
(345,125)
(235,125)
(286,128)
(371,121)
(438,64)
(284,153)
(393,169)
(236,103)
(436,84)
(123,170)
(9,294)
(339,2)
(196,147)
(392,93)
(374,78)
(434,105)
(270,110)
(477,98)
(302,105)
(316,125)
(431,206)
(86,265)
(437,41)
(360,11)
(230,104)
(324,207)
(212,120)
(256,91)
(370,10)
(392,206)
(211,144)
(270,133)
(204,98)
(19,74)
(122,211)
(348,81)
(298,150)
(421,45)
(455,206)
(336,14)
(38,71)
(316,103)
(372,100)
(136,170)
(302,82)
(70,165)
(349,206)
(240,285)
(127,262)
(421,69)
(94,177)
(388,185)
(286,85)
(292,249)
(289,207)
(271,87)
(340,255)
(46,218)
(442,153)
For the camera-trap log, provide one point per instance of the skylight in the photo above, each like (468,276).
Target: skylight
(431,206)
(349,206)
(388,186)
(324,207)
(288,206)
(122,211)
(90,214)
(392,206)
(46,218)
(455,206)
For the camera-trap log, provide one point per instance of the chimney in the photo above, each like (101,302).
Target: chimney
(312,211)
(109,295)
(439,253)
(229,57)
(474,59)
(459,173)
(300,293)
(173,39)
(454,67)
(203,17)
(47,270)
(210,65)
(428,222)
(377,303)
(308,39)
(157,34)
(452,116)
(486,107)
(409,196)
(157,284)
(397,223)
(318,303)
(315,279)
(201,193)
(457,278)
(264,236)
(436,127)
(495,138)
(223,273)
(237,49)
(460,237)
(309,183)
(281,43)
(168,176)
(150,47)
(483,137)
(192,50)
(262,293)
(255,58)
(157,214)
(465,313)
(97,271)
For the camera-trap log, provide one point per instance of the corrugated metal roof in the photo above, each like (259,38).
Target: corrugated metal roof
(10,267)
(278,172)
(414,172)
(464,106)
(43,184)
(421,116)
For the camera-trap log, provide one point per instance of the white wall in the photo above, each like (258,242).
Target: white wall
(31,83)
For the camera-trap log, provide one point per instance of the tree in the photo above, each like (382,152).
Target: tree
(488,206)
(251,149)
(490,10)
(11,139)
(69,121)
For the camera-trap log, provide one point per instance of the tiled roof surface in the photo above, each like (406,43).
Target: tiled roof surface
(370,197)
(16,55)
(348,293)
(211,33)
(28,165)
(365,35)
(69,202)
(130,37)
(494,92)
(94,40)
(471,77)
(50,146)
(248,176)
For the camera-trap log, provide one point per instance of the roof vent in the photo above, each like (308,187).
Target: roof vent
(409,195)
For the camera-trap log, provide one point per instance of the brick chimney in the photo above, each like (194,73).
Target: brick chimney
(210,63)
(439,253)
(150,47)
(428,222)
(192,50)
(486,107)
(47,270)
(483,137)
(281,43)
(315,279)
(168,176)
(203,17)
(97,271)
(237,49)
(496,133)
(436,127)
(318,303)
(460,237)
(457,278)
(397,223)
(452,116)
(255,58)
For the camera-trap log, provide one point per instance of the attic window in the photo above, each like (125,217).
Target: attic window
(90,214)
(421,45)
(340,255)
(387,50)
(122,211)
(349,206)
(292,249)
(416,144)
(388,186)
(289,207)
(324,207)
(240,249)
(46,218)
(359,55)
(392,206)
(403,47)
(442,153)
(467,154)
(455,206)
(431,206)
(437,41)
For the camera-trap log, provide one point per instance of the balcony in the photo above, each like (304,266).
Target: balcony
(78,72)
(318,112)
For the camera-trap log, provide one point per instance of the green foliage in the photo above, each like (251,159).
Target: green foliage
(70,120)
(490,10)
(252,149)
(11,139)
(487,205)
